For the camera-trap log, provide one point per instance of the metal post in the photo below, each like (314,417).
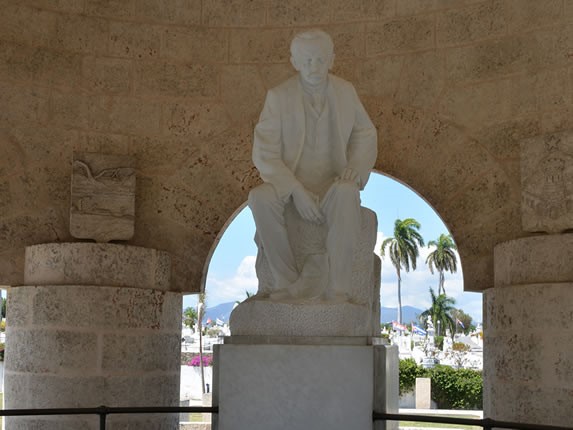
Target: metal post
(102,418)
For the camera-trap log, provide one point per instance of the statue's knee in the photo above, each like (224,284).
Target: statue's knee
(261,195)
(346,189)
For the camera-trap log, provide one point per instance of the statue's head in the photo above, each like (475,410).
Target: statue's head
(312,55)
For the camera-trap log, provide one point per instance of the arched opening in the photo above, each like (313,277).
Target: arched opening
(229,273)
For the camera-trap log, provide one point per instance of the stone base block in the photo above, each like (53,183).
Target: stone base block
(300,387)
(528,364)
(292,319)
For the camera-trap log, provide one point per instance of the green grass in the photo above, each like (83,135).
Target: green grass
(418,424)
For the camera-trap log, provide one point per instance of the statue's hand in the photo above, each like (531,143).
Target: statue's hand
(306,204)
(349,175)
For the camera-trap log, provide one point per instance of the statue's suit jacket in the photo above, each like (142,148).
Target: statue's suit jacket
(280,133)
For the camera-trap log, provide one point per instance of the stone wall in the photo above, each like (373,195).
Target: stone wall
(179,84)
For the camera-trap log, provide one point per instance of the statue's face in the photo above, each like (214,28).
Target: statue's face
(313,60)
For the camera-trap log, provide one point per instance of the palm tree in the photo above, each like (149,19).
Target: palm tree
(442,258)
(403,250)
(440,312)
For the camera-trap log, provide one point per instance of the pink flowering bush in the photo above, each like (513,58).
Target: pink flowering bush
(196,361)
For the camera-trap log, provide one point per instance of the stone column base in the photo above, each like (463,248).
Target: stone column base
(82,345)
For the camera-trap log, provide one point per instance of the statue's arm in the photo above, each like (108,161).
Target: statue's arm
(362,146)
(267,149)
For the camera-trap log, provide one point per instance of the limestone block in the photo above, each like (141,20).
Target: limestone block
(534,260)
(104,307)
(480,199)
(104,75)
(69,109)
(27,104)
(234,13)
(377,77)
(298,12)
(51,423)
(470,24)
(243,92)
(117,352)
(203,119)
(422,79)
(41,65)
(184,12)
(541,91)
(491,59)
(125,115)
(176,80)
(529,14)
(80,33)
(345,10)
(73,6)
(96,264)
(196,45)
(133,40)
(502,139)
(102,197)
(478,104)
(51,351)
(84,346)
(547,183)
(258,317)
(283,386)
(406,34)
(528,370)
(27,25)
(261,45)
(112,9)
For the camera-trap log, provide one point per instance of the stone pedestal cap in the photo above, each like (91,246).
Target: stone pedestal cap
(530,260)
(97,264)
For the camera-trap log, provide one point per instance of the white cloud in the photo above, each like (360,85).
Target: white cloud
(222,290)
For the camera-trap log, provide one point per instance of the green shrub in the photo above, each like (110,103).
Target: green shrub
(408,372)
(439,342)
(457,388)
(451,388)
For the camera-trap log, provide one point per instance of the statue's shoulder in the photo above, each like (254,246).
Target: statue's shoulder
(291,84)
(340,84)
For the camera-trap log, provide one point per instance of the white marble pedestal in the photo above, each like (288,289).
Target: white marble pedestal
(303,386)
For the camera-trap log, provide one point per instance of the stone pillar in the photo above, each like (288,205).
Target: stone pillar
(528,332)
(93,325)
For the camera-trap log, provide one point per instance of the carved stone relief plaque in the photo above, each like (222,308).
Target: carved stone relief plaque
(103,197)
(547,183)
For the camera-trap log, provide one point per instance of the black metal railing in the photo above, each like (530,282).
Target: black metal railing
(485,423)
(104,411)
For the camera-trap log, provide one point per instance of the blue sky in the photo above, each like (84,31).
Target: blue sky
(231,270)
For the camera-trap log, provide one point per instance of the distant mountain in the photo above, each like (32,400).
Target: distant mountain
(221,312)
(409,313)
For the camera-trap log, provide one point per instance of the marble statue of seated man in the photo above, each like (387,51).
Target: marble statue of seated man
(314,146)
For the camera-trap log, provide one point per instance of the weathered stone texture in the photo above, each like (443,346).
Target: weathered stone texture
(407,34)
(528,370)
(179,84)
(183,12)
(195,45)
(470,24)
(88,345)
(97,264)
(176,80)
(234,13)
(533,260)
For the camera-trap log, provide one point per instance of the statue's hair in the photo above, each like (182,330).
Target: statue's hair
(300,38)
